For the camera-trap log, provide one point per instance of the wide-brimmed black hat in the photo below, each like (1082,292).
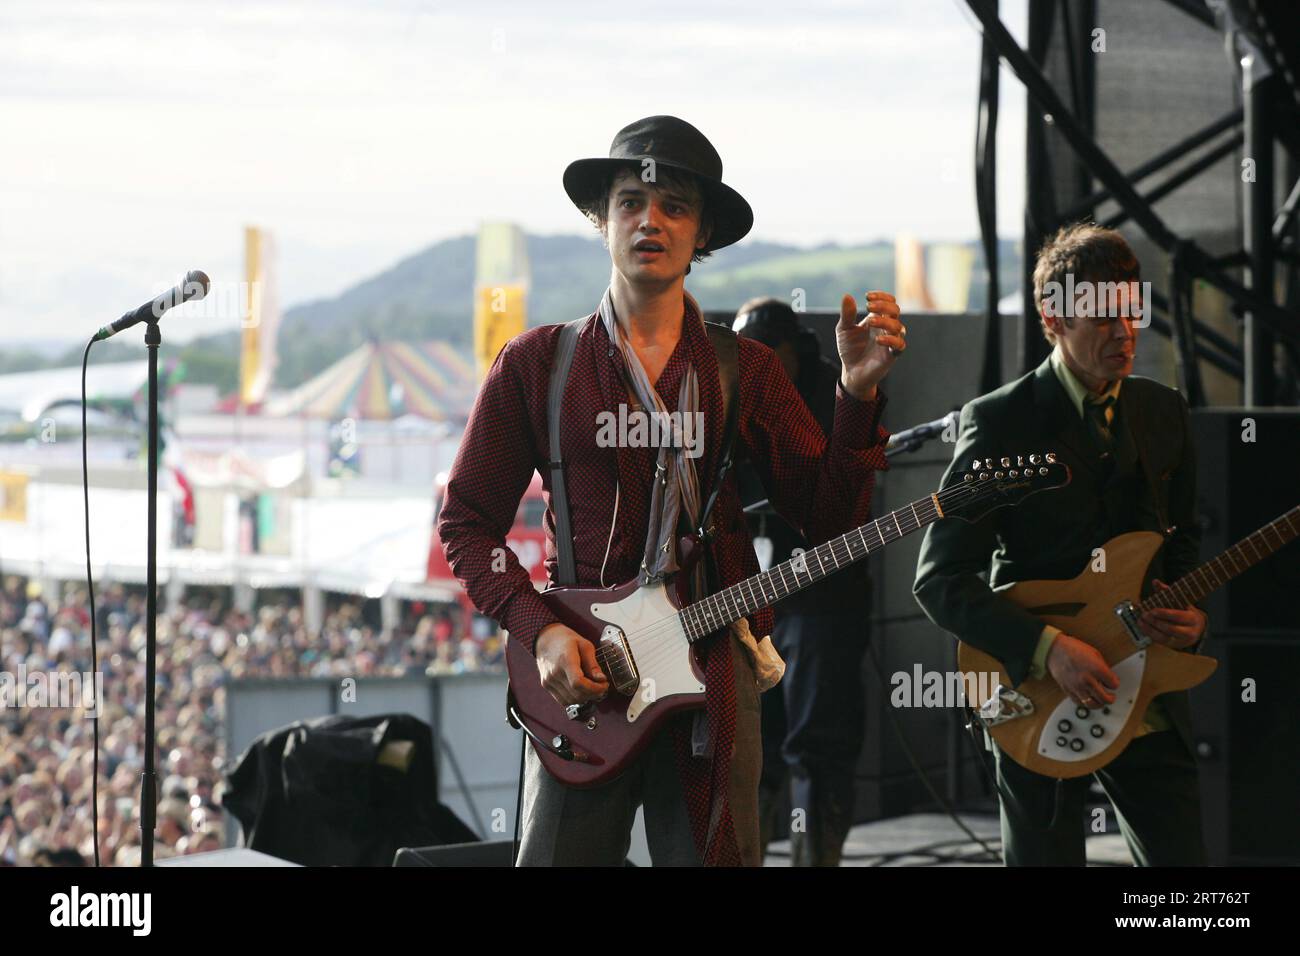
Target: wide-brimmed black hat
(673,144)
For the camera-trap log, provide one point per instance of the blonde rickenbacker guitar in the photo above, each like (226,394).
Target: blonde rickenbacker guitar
(1037,724)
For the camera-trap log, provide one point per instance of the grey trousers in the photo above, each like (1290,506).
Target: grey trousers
(563,826)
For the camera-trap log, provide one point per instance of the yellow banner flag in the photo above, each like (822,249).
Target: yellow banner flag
(499,315)
(909,275)
(261,318)
(501,277)
(948,270)
(13,496)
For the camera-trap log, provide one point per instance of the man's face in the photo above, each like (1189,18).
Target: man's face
(1100,341)
(652,231)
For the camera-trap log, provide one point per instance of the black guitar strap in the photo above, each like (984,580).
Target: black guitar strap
(727,351)
(567,571)
(1135,425)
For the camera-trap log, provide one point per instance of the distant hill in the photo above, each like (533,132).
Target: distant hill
(429,295)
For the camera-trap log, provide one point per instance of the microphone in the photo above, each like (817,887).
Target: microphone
(910,439)
(194,287)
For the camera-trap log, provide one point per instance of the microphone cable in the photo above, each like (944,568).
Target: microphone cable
(90,590)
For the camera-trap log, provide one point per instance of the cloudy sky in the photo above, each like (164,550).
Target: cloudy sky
(141,137)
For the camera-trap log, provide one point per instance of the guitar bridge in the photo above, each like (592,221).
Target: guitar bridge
(616,660)
(1007,703)
(1128,616)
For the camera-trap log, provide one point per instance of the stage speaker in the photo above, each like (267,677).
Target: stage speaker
(1246,717)
(1245,478)
(1246,721)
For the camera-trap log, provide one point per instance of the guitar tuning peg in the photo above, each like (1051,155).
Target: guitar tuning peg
(1050,458)
(1006,462)
(1035,459)
(988,463)
(1020,461)
(976,464)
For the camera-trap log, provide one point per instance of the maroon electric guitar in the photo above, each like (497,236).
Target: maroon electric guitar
(645,635)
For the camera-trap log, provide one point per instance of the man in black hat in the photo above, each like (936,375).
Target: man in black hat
(660,204)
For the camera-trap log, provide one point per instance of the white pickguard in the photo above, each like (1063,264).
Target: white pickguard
(659,646)
(1081,729)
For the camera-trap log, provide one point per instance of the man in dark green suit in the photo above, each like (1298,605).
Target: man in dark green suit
(1127,442)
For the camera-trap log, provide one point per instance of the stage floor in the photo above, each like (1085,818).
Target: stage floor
(933,839)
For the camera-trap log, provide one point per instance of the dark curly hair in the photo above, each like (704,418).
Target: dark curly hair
(597,208)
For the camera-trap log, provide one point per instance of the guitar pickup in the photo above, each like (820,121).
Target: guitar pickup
(1007,703)
(616,659)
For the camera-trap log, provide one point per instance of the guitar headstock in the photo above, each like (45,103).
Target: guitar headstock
(995,482)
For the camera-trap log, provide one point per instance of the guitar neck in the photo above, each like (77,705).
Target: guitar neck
(804,570)
(1213,574)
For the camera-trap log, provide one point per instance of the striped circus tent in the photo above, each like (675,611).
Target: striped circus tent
(386,380)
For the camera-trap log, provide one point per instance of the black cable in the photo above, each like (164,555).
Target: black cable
(930,850)
(911,756)
(519,799)
(90,590)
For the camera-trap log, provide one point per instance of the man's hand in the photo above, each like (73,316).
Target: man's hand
(567,664)
(867,356)
(1081,671)
(1173,627)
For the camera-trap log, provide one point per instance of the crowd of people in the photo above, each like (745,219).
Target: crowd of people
(46,754)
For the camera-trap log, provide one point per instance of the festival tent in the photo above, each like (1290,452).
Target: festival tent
(386,381)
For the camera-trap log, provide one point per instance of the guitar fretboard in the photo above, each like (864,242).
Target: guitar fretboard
(1213,574)
(762,590)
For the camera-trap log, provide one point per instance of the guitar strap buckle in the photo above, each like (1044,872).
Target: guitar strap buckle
(709,530)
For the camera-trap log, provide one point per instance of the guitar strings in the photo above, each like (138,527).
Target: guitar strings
(654,650)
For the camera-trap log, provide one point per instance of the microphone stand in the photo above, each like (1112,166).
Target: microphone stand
(195,286)
(148,777)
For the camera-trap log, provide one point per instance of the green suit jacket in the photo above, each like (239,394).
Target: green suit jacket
(1051,535)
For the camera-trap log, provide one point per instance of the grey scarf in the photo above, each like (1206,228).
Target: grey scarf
(676,484)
